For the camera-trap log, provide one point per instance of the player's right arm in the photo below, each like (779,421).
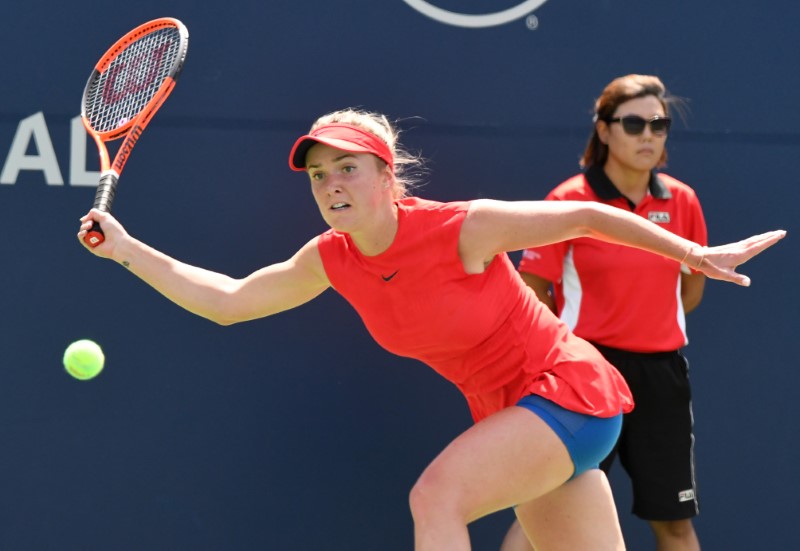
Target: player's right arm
(217,297)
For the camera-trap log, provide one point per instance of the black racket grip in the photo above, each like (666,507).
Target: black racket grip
(103,199)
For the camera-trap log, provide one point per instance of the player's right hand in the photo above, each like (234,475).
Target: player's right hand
(112,229)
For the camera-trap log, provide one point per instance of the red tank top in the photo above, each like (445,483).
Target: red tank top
(486,333)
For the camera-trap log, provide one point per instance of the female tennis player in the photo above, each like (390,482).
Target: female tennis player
(432,281)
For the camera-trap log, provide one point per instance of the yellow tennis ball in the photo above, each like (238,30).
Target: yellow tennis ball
(84,359)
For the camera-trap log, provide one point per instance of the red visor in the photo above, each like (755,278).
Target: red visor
(341,136)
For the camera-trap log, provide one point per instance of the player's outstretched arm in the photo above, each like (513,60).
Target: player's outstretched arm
(492,227)
(212,295)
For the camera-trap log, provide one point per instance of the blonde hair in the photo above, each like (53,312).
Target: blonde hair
(405,178)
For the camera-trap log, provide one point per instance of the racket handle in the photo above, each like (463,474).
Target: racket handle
(103,199)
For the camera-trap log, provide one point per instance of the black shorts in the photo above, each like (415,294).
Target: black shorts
(656,445)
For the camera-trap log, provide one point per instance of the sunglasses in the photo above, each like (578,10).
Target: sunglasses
(633,125)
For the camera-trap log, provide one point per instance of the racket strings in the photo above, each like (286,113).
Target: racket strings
(132,79)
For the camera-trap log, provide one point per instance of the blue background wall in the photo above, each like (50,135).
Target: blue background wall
(298,432)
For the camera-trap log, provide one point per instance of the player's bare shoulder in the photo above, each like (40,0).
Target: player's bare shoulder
(309,259)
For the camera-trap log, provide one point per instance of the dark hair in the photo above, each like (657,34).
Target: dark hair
(617,92)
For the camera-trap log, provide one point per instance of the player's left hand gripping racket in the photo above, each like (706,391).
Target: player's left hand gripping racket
(126,88)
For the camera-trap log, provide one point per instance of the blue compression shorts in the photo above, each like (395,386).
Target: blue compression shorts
(588,439)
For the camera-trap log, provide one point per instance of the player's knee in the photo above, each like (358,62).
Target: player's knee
(423,498)
(432,496)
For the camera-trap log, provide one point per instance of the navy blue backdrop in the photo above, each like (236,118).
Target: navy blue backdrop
(297,431)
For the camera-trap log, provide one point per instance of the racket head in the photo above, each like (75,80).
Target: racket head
(133,78)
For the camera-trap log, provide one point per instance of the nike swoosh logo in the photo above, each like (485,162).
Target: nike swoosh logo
(387,278)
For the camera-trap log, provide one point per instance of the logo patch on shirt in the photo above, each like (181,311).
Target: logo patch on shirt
(686,495)
(659,217)
(389,277)
(528,254)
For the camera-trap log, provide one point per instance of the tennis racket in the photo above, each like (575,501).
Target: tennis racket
(126,88)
